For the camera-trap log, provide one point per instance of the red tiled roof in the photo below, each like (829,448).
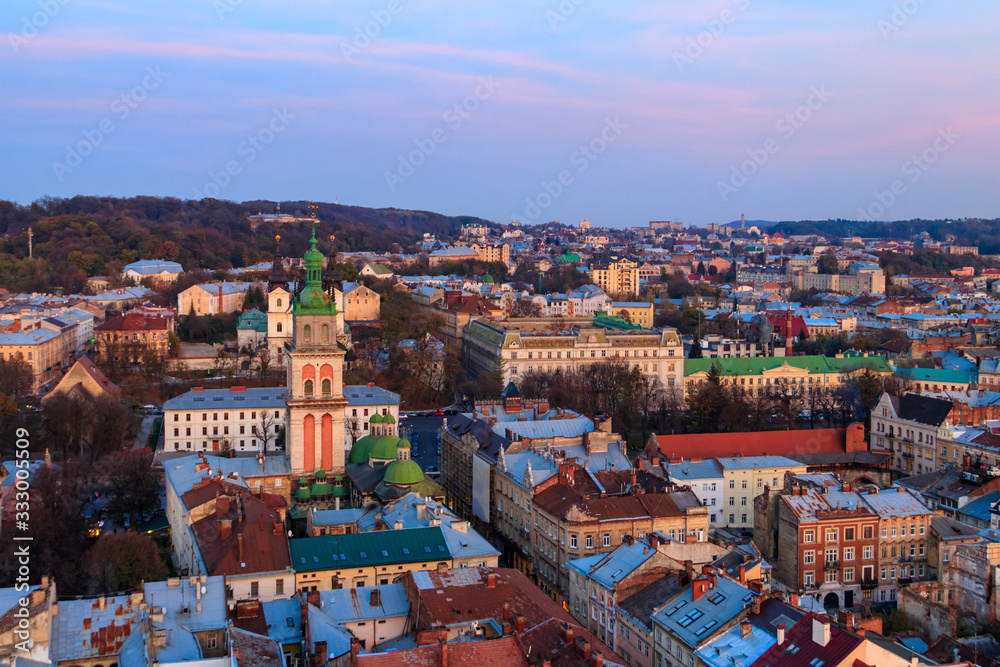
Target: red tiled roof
(754,443)
(463,595)
(254,544)
(500,652)
(133,322)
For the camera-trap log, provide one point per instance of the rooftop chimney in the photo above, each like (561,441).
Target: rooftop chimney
(376,597)
(781,634)
(225,529)
(567,633)
(444,651)
(583,649)
(745,628)
(491,580)
(519,625)
(821,631)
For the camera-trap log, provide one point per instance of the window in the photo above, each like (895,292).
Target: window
(590,541)
(279,587)
(868,553)
(831,555)
(809,557)
(831,534)
(869,532)
(607,539)
(254,589)
(809,578)
(808,537)
(848,574)
(308,386)
(848,553)
(848,534)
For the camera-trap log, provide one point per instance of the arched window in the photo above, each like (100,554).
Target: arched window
(326,333)
(279,327)
(307,332)
(308,387)
(326,387)
(279,303)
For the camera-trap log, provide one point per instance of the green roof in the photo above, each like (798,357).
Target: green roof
(403,473)
(487,278)
(568,257)
(371,549)
(387,418)
(613,322)
(375,419)
(384,448)
(303,492)
(320,474)
(321,489)
(361,449)
(812,363)
(253,320)
(946,375)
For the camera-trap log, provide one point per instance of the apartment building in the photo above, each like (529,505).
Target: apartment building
(705,479)
(860,281)
(571,519)
(908,426)
(634,312)
(849,545)
(542,344)
(496,252)
(41,350)
(714,346)
(616,276)
(744,478)
(361,304)
(126,339)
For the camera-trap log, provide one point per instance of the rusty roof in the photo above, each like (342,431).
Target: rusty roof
(257,541)
(93,628)
(253,650)
(463,595)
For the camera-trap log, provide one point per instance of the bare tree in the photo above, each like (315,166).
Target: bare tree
(266,428)
(354,428)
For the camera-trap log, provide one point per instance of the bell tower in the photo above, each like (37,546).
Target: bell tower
(314,374)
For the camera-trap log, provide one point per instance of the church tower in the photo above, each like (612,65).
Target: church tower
(279,311)
(315,376)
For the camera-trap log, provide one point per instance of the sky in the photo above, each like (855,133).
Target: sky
(531,110)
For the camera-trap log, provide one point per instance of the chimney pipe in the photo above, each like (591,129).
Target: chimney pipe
(781,634)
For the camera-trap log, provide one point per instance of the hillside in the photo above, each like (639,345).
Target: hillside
(85,236)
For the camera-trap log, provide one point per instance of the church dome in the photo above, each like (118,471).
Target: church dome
(360,450)
(487,279)
(384,448)
(403,473)
(403,443)
(387,418)
(376,419)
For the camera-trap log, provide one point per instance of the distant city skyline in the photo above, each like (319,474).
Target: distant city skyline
(533,111)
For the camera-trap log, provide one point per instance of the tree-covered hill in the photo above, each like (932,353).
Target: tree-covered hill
(86,236)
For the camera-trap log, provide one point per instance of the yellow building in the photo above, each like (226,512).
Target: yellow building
(635,312)
(497,252)
(361,304)
(41,350)
(378,558)
(616,276)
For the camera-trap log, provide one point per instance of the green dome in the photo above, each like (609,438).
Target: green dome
(403,473)
(303,491)
(320,489)
(387,418)
(384,448)
(487,278)
(403,443)
(320,475)
(375,419)
(360,450)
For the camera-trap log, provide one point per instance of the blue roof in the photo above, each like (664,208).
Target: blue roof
(362,394)
(346,605)
(693,622)
(271,398)
(150,267)
(937,375)
(611,568)
(705,469)
(980,507)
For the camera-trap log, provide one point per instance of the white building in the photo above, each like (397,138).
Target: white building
(706,481)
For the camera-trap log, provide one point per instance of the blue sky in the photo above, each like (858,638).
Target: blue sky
(536,110)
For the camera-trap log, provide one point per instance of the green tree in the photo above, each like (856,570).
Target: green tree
(696,351)
(134,483)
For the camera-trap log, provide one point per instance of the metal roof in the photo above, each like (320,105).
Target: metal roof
(695,621)
(384,547)
(271,398)
(347,605)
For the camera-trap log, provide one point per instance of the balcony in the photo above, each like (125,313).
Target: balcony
(907,455)
(868,583)
(831,565)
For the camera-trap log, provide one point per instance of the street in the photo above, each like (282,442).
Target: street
(422,432)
